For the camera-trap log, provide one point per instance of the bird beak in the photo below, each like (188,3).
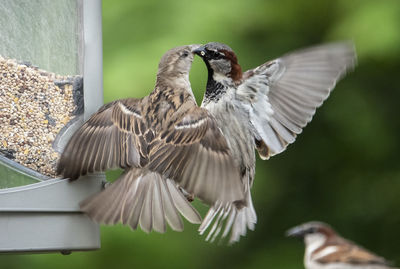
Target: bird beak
(295,232)
(201,51)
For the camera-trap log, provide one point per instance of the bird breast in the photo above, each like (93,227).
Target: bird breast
(235,126)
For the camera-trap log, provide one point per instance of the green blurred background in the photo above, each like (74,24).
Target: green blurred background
(343,169)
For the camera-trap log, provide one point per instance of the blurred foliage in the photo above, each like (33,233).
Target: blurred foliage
(344,168)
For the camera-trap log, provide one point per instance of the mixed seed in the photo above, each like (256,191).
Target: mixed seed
(34,106)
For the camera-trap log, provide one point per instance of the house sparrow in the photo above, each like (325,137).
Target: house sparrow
(264,108)
(165,143)
(326,249)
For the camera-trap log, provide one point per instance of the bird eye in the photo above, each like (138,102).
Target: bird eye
(215,54)
(185,54)
(313,230)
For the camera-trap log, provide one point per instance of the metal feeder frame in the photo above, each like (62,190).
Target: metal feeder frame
(45,216)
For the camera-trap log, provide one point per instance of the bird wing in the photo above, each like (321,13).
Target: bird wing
(112,137)
(190,149)
(194,153)
(281,96)
(352,254)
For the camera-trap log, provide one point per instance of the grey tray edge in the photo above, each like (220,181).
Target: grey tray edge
(19,168)
(54,195)
(47,232)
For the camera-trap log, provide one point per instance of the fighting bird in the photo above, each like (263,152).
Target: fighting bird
(264,108)
(168,147)
(326,249)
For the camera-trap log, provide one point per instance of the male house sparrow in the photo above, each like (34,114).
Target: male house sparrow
(325,249)
(264,108)
(165,143)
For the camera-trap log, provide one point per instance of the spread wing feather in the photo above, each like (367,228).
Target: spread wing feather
(289,90)
(105,141)
(189,148)
(195,154)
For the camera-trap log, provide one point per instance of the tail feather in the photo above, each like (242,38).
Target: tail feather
(159,223)
(236,221)
(134,208)
(209,217)
(141,198)
(182,204)
(221,218)
(229,223)
(215,226)
(171,212)
(145,219)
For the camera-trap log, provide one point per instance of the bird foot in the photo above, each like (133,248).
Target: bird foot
(188,196)
(106,184)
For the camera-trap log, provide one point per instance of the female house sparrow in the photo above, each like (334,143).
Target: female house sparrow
(163,142)
(264,108)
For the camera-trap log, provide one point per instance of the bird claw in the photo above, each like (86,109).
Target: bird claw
(188,196)
(106,184)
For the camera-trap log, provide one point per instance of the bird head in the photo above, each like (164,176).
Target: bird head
(221,61)
(311,231)
(177,61)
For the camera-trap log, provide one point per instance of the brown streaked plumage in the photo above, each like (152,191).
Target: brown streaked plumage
(326,249)
(164,142)
(266,108)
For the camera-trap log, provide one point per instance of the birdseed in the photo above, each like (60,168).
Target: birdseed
(34,106)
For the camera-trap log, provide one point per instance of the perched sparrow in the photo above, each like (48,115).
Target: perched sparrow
(264,108)
(326,249)
(165,143)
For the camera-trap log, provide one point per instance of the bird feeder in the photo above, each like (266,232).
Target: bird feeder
(50,82)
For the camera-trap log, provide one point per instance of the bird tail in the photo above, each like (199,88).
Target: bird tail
(236,219)
(141,197)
